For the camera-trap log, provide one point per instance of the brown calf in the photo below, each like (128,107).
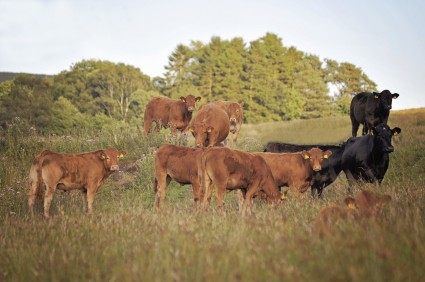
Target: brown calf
(231,169)
(177,163)
(210,126)
(295,170)
(86,172)
(166,112)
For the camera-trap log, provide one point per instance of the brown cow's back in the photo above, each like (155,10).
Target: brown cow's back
(177,163)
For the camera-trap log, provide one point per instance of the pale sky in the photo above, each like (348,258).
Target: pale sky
(386,38)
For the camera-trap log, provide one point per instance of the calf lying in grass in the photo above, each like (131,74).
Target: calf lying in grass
(366,204)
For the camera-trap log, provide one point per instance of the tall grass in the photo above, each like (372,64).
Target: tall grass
(126,240)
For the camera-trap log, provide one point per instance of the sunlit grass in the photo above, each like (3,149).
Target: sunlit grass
(127,240)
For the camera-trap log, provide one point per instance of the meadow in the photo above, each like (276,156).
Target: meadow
(127,240)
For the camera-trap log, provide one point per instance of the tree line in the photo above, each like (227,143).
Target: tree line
(275,82)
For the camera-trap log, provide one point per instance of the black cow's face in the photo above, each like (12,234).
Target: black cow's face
(383,134)
(385,99)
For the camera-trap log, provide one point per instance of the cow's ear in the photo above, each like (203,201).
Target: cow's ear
(190,128)
(122,154)
(183,99)
(210,128)
(396,131)
(103,156)
(241,103)
(327,154)
(305,155)
(198,98)
(350,202)
(395,95)
(376,95)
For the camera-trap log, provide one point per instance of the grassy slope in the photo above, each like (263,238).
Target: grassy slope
(126,240)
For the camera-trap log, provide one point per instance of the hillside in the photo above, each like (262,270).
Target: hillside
(10,75)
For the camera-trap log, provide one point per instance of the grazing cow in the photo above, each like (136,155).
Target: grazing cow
(232,169)
(86,172)
(177,163)
(370,109)
(234,111)
(295,170)
(367,157)
(366,204)
(166,112)
(210,126)
(331,167)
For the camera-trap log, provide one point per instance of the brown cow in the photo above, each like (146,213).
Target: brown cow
(166,112)
(86,172)
(232,169)
(234,111)
(210,126)
(366,204)
(177,163)
(295,170)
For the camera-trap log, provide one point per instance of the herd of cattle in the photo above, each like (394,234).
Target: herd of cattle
(214,161)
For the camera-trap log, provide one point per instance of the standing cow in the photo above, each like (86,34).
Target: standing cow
(367,157)
(181,165)
(86,172)
(331,167)
(166,112)
(232,169)
(234,111)
(370,109)
(210,126)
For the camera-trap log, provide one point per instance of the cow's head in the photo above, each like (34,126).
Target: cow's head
(316,156)
(235,113)
(200,132)
(383,135)
(371,204)
(385,99)
(110,158)
(190,102)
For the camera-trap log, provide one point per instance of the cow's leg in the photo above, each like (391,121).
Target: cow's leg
(196,193)
(221,191)
(351,181)
(241,197)
(84,199)
(161,182)
(354,127)
(207,187)
(31,195)
(91,193)
(48,196)
(251,190)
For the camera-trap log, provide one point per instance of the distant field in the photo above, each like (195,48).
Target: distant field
(126,240)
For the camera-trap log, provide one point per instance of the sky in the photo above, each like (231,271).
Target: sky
(385,38)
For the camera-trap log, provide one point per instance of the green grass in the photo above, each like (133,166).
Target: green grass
(127,240)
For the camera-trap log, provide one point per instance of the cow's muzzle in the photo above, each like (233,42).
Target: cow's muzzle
(190,109)
(389,149)
(389,107)
(317,168)
(115,167)
(198,145)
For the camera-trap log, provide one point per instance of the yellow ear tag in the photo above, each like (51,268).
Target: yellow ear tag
(121,155)
(325,156)
(284,197)
(395,97)
(351,206)
(102,157)
(306,157)
(209,130)
(376,96)
(395,133)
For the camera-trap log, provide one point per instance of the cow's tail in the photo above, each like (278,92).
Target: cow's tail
(35,179)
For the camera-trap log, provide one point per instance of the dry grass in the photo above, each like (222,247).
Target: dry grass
(126,240)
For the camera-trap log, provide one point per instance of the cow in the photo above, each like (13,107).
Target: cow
(210,126)
(366,204)
(86,172)
(172,113)
(366,158)
(232,169)
(179,164)
(370,109)
(331,167)
(234,111)
(295,170)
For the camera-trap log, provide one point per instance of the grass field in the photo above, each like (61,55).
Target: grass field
(126,240)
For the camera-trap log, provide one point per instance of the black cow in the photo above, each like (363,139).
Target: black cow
(331,167)
(370,109)
(366,158)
